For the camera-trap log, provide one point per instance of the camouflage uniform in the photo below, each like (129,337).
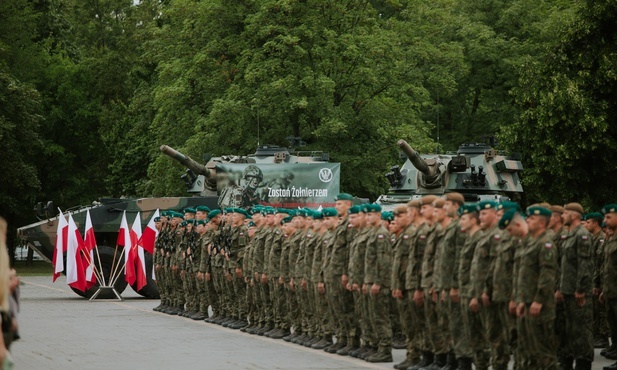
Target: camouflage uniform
(534,282)
(355,270)
(503,323)
(262,302)
(471,320)
(377,264)
(446,278)
(289,272)
(402,247)
(609,283)
(339,298)
(239,240)
(435,334)
(323,325)
(176,261)
(311,244)
(600,323)
(577,276)
(277,292)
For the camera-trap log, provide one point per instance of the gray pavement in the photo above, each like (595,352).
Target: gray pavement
(60,330)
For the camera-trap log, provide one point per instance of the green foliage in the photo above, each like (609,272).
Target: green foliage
(568,127)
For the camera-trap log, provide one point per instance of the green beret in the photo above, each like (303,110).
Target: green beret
(164,213)
(283,210)
(202,209)
(157,219)
(252,224)
(212,214)
(286,220)
(238,210)
(508,205)
(177,214)
(487,204)
(200,222)
(293,213)
(191,221)
(372,207)
(255,209)
(268,211)
(537,210)
(317,215)
(507,218)
(594,216)
(228,210)
(609,208)
(468,208)
(354,209)
(183,224)
(387,216)
(344,196)
(189,210)
(329,212)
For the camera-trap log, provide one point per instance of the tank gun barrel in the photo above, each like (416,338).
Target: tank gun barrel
(415,158)
(197,168)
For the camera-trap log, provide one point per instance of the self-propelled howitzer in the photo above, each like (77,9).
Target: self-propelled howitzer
(476,170)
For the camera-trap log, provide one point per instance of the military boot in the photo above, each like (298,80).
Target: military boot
(383,354)
(439,361)
(565,363)
(464,363)
(404,365)
(427,359)
(371,350)
(451,362)
(335,347)
(582,364)
(359,351)
(280,334)
(158,308)
(323,343)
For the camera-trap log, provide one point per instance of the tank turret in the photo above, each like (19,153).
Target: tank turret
(199,178)
(476,170)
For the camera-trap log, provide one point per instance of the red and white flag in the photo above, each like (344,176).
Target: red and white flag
(61,244)
(124,239)
(139,258)
(75,269)
(89,245)
(149,237)
(150,234)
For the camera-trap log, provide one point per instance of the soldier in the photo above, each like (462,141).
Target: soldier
(157,260)
(272,271)
(238,240)
(290,271)
(600,325)
(298,283)
(533,286)
(199,251)
(483,266)
(470,225)
(608,296)
(320,256)
(201,212)
(290,241)
(340,300)
(446,278)
(575,290)
(377,264)
(355,271)
(175,254)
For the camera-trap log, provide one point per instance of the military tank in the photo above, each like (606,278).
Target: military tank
(476,170)
(272,175)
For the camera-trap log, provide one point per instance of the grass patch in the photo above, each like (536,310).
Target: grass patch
(38,268)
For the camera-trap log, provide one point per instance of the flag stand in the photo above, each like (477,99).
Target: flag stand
(106,288)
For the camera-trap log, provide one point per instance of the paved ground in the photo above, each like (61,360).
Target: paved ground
(60,330)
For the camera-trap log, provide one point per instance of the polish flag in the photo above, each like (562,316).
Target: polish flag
(124,239)
(150,234)
(89,245)
(61,244)
(75,269)
(137,251)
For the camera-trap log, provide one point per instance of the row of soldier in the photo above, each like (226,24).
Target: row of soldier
(457,286)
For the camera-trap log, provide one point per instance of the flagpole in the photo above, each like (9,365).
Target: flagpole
(91,264)
(113,262)
(117,275)
(96,247)
(112,276)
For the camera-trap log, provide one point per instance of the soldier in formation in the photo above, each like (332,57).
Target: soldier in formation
(482,283)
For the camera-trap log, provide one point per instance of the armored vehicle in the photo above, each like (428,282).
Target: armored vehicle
(476,170)
(273,175)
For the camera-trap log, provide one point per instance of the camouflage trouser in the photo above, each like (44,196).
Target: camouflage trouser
(310,310)
(456,325)
(265,307)
(293,311)
(474,331)
(611,316)
(579,336)
(212,295)
(178,289)
(305,308)
(497,330)
(361,307)
(202,296)
(238,297)
(278,303)
(560,332)
(251,311)
(160,283)
(336,311)
(188,284)
(536,342)
(600,323)
(443,321)
(379,316)
(404,309)
(435,335)
(395,319)
(418,323)
(324,326)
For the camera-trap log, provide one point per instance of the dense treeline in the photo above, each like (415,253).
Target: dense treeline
(90,89)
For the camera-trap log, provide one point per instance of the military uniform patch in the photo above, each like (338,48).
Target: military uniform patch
(422,237)
(548,245)
(380,236)
(497,237)
(405,237)
(584,237)
(563,237)
(601,241)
